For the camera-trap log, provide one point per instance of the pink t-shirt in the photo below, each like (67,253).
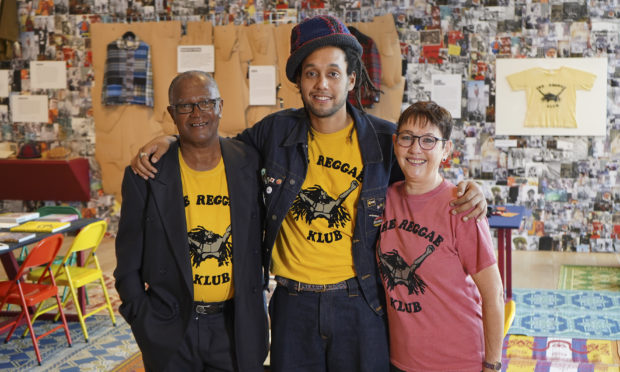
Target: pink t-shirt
(426,257)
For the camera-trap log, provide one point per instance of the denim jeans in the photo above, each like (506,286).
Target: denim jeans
(333,331)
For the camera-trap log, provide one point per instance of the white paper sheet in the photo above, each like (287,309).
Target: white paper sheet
(29,108)
(195,57)
(48,75)
(262,85)
(446,92)
(4,83)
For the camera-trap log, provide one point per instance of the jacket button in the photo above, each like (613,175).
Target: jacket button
(292,182)
(274,217)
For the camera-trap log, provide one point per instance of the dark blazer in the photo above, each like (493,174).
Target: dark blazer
(152,247)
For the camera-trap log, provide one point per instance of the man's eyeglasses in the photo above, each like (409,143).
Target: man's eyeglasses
(426,142)
(206,105)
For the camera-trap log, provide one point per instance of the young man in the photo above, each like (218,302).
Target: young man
(188,260)
(326,168)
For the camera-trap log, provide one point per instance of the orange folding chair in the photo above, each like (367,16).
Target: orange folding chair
(27,295)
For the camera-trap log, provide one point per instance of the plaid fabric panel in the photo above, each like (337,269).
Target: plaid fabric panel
(128,78)
(372,61)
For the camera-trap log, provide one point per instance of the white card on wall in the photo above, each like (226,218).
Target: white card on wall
(446,92)
(48,75)
(262,85)
(195,57)
(29,108)
(4,83)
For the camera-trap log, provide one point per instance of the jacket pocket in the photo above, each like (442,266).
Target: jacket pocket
(163,306)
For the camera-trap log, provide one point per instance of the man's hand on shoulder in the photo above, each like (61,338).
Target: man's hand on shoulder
(469,196)
(149,154)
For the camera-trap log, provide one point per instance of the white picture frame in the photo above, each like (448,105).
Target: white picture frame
(591,106)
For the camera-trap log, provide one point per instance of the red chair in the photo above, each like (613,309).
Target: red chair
(27,295)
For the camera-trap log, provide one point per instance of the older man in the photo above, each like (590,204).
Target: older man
(189,269)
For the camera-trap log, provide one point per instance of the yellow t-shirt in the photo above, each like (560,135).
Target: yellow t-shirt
(207,213)
(314,243)
(551,95)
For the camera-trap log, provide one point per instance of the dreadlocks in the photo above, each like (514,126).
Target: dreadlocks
(362,79)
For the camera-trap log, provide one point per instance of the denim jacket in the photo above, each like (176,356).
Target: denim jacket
(282,140)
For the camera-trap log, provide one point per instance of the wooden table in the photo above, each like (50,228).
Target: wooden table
(11,267)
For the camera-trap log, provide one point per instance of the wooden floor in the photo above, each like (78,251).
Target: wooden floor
(530,269)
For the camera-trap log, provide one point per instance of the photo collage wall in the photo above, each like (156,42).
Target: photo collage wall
(569,184)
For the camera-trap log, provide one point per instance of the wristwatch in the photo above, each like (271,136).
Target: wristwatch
(497,366)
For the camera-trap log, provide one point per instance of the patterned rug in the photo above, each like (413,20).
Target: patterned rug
(132,364)
(107,347)
(567,314)
(523,365)
(561,349)
(605,278)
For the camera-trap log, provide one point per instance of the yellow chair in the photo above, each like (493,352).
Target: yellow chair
(509,315)
(73,276)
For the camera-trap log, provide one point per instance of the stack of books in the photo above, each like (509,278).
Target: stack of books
(15,237)
(11,219)
(42,226)
(59,217)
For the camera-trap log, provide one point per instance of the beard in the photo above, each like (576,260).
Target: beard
(324,112)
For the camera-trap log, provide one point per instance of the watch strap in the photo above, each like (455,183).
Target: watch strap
(497,366)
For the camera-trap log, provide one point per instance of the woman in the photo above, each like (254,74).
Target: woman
(444,293)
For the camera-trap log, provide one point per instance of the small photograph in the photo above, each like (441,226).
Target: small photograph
(4,113)
(313,4)
(519,243)
(557,12)
(367,14)
(49,132)
(505,48)
(82,25)
(499,195)
(477,100)
(500,175)
(118,8)
(533,15)
(529,196)
(101,7)
(567,171)
(603,245)
(553,195)
(83,128)
(30,46)
(430,37)
(538,228)
(575,11)
(44,8)
(579,37)
(61,6)
(79,7)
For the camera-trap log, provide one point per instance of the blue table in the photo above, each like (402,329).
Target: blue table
(504,226)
